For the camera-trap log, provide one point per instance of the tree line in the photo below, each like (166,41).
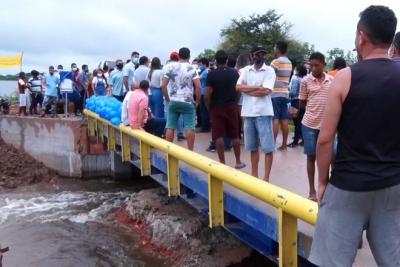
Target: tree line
(266,29)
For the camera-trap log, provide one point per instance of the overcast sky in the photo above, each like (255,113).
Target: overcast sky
(52,32)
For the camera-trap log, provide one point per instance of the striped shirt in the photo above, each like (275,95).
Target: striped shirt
(283,69)
(315,92)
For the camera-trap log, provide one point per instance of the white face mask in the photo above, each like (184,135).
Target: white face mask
(99,75)
(74,69)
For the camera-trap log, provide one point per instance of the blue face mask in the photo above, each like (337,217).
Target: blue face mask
(135,60)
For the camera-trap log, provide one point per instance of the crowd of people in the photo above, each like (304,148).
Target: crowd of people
(247,99)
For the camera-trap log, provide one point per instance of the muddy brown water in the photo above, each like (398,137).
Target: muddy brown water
(67,224)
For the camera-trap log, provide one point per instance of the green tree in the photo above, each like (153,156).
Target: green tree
(338,52)
(207,53)
(265,29)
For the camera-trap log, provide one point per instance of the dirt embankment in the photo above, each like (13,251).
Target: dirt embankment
(18,168)
(178,232)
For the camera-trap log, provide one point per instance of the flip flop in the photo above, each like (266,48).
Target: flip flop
(312,198)
(240,166)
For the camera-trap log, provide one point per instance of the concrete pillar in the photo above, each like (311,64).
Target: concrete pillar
(119,169)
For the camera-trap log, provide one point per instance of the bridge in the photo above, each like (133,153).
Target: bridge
(272,218)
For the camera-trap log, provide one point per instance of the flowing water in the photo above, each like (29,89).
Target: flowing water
(69,224)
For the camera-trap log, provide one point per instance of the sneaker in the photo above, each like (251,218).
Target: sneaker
(211,148)
(301,143)
(293,144)
(181,137)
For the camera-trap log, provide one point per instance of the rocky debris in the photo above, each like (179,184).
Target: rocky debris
(18,168)
(177,231)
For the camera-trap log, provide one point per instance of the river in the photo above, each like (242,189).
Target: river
(7,87)
(70,224)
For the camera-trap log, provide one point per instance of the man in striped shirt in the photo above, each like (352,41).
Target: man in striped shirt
(280,94)
(313,97)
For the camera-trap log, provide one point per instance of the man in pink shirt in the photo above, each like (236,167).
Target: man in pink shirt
(313,97)
(139,114)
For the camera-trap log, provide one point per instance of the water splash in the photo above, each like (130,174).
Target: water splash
(78,207)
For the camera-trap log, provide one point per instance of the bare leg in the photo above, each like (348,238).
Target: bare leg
(285,132)
(190,136)
(220,149)
(236,151)
(254,158)
(276,129)
(268,165)
(169,135)
(311,174)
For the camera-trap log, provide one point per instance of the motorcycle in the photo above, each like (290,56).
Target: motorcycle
(4,105)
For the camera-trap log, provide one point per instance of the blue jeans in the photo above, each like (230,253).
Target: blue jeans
(179,129)
(155,126)
(205,117)
(258,133)
(310,138)
(156,102)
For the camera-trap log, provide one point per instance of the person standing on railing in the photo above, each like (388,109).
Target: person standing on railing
(363,192)
(256,84)
(139,113)
(184,82)
(313,97)
(221,101)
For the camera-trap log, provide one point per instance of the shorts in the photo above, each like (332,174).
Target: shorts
(280,105)
(258,133)
(176,108)
(310,138)
(342,217)
(225,122)
(22,100)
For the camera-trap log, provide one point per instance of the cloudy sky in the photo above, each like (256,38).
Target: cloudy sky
(52,32)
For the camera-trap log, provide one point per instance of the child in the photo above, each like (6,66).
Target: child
(22,85)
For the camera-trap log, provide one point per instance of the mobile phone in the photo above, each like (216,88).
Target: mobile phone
(2,250)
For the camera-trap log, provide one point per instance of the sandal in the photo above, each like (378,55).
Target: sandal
(240,166)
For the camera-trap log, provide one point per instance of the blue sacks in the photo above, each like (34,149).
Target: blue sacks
(106,107)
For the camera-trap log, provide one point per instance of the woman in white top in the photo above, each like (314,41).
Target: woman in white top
(99,84)
(156,97)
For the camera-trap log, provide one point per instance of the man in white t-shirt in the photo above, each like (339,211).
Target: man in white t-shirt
(256,84)
(129,71)
(184,82)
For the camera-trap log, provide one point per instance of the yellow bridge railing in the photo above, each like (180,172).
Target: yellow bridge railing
(291,206)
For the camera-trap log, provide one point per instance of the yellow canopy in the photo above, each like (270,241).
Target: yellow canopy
(11,62)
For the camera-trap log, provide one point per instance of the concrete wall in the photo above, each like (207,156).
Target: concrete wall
(55,142)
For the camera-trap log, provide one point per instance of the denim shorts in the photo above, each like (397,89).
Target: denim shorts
(310,138)
(280,105)
(176,108)
(258,132)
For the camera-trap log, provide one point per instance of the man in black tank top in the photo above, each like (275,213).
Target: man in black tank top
(363,191)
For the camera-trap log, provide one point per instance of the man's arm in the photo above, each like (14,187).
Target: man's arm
(164,88)
(209,92)
(337,94)
(248,89)
(260,92)
(126,83)
(197,88)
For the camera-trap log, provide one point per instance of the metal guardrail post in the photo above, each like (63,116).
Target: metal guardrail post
(174,187)
(100,132)
(110,138)
(287,239)
(125,147)
(145,163)
(91,126)
(215,201)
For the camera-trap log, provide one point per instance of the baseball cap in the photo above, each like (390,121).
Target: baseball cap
(174,55)
(258,48)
